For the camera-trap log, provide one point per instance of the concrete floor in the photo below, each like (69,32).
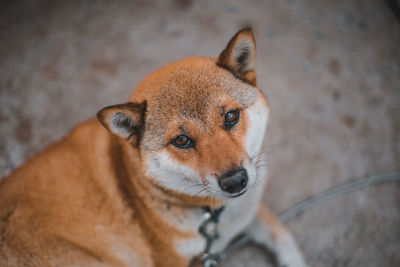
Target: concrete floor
(331,71)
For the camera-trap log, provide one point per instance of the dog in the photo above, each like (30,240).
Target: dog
(130,189)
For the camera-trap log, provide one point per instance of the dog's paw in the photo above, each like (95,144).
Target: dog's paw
(294,264)
(293,259)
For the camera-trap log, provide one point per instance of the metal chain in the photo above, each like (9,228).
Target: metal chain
(209,230)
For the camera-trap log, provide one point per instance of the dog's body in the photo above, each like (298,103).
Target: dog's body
(134,195)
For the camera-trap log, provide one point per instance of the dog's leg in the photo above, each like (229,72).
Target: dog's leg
(267,231)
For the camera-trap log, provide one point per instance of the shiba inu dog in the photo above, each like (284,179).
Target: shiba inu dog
(129,189)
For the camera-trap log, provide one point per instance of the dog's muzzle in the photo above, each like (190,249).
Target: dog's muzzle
(233,181)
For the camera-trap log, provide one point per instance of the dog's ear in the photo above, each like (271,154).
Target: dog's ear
(239,56)
(124,120)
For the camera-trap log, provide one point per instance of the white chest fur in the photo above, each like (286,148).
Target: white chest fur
(237,215)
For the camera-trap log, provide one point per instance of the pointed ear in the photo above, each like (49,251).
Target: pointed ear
(124,120)
(239,56)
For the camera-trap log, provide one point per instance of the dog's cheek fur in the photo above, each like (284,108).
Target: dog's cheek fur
(257,115)
(169,173)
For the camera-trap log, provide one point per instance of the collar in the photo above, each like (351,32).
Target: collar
(209,230)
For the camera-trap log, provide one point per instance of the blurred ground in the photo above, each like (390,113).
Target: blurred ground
(331,71)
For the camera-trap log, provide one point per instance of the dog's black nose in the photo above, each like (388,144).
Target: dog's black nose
(233,181)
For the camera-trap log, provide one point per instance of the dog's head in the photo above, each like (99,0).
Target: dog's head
(199,123)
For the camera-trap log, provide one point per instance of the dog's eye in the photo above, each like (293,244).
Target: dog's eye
(231,118)
(182,141)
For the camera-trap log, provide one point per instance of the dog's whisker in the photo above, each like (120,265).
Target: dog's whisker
(256,155)
(263,165)
(192,186)
(262,162)
(202,190)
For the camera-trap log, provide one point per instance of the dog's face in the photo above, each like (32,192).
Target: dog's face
(199,123)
